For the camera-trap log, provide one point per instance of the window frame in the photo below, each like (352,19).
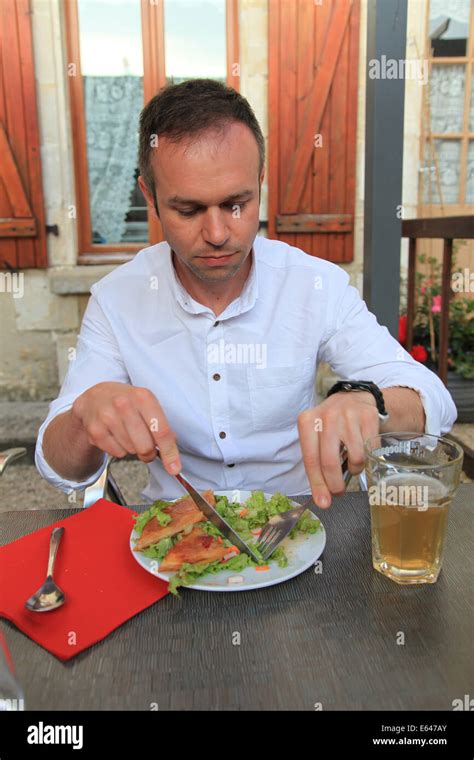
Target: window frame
(464,137)
(154,77)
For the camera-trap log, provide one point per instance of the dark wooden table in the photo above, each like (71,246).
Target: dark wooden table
(346,639)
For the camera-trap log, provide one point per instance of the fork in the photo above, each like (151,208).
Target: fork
(278,527)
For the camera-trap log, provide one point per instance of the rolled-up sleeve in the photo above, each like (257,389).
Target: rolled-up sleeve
(97,359)
(357,347)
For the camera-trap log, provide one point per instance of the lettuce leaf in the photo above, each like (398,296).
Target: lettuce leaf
(188,573)
(306,524)
(156,510)
(211,530)
(159,550)
(279,557)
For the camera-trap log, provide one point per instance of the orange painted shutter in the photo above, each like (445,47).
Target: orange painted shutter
(313,65)
(22,223)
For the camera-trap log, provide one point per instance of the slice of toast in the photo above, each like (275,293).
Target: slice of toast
(197,546)
(183,513)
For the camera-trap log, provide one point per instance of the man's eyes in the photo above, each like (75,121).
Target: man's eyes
(230,206)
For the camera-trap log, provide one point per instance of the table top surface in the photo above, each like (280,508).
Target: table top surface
(346,638)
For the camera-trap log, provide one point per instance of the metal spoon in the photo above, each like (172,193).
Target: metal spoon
(49,596)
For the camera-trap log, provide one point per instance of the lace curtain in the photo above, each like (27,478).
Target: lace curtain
(448,155)
(447,84)
(446,95)
(470,173)
(112,109)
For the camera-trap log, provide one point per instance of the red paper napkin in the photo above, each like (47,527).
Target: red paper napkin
(103,584)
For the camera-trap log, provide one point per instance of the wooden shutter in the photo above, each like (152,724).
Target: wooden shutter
(313,65)
(22,224)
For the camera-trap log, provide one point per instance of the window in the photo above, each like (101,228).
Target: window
(447,171)
(195,40)
(112,80)
(449,27)
(120,53)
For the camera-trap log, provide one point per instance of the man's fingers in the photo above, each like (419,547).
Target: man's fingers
(169,452)
(370,424)
(110,446)
(357,429)
(321,437)
(113,419)
(330,443)
(137,432)
(163,437)
(122,419)
(309,441)
(355,453)
(353,440)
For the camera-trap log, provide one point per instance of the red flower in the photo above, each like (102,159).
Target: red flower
(402,329)
(419,353)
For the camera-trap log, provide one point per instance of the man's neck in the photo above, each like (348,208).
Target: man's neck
(216,296)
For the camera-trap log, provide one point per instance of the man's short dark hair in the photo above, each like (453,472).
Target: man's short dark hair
(191,108)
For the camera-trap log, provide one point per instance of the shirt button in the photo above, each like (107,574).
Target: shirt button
(216,376)
(231,465)
(216,323)
(222,434)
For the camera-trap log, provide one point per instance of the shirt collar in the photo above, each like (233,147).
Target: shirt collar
(245,301)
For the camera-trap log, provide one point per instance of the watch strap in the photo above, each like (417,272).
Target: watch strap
(362,385)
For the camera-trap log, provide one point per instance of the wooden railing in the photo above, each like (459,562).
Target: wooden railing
(447,228)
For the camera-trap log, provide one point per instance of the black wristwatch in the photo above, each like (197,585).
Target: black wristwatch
(362,385)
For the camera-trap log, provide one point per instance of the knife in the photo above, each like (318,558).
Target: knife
(213,515)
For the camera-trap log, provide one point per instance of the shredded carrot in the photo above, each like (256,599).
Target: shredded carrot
(234,549)
(262,567)
(243,512)
(220,540)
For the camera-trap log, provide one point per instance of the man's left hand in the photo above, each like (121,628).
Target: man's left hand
(349,418)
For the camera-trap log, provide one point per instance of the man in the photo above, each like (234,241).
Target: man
(206,345)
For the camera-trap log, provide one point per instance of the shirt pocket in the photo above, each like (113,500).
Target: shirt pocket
(279,394)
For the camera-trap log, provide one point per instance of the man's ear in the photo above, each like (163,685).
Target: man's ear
(149,197)
(260,183)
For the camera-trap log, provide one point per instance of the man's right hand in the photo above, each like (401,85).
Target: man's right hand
(122,419)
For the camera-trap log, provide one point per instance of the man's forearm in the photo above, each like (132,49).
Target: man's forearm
(67,450)
(405,409)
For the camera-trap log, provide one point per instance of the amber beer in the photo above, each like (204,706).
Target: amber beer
(412,478)
(409,517)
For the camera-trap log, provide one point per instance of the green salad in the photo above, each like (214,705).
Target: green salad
(245,518)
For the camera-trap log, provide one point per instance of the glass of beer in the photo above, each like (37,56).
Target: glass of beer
(11,694)
(411,478)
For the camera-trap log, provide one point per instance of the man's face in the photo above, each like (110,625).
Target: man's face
(208,197)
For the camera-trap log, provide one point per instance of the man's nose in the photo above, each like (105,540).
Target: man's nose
(215,228)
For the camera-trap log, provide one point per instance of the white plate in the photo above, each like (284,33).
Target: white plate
(302,552)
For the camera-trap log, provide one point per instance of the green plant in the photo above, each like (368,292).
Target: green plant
(426,325)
